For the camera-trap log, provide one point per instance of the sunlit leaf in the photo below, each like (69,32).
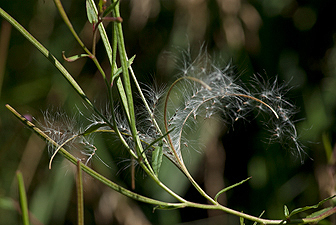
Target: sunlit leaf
(91,13)
(286,211)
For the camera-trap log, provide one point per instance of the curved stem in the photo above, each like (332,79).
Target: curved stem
(179,160)
(184,203)
(257,100)
(90,171)
(59,147)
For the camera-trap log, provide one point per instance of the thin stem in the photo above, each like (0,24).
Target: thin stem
(59,147)
(257,100)
(68,23)
(114,52)
(23,198)
(92,56)
(180,161)
(151,114)
(90,171)
(128,89)
(184,203)
(80,199)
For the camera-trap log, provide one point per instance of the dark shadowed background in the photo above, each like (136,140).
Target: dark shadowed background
(293,40)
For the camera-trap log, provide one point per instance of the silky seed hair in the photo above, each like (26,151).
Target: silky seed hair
(61,128)
(232,99)
(206,90)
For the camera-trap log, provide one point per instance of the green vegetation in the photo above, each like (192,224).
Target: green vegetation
(161,142)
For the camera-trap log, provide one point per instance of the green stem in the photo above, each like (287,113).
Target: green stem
(91,55)
(126,78)
(80,199)
(23,198)
(128,90)
(179,160)
(90,171)
(162,204)
(53,60)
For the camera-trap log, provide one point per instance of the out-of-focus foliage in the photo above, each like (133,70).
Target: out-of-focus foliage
(294,40)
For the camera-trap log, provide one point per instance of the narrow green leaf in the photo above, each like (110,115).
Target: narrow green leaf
(91,12)
(123,96)
(168,207)
(48,55)
(93,127)
(157,140)
(286,211)
(230,187)
(119,70)
(110,8)
(262,213)
(318,213)
(157,155)
(298,210)
(241,219)
(75,57)
(23,198)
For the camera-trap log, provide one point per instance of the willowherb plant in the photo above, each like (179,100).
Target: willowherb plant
(203,89)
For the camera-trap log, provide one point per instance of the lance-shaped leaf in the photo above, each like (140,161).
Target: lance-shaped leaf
(286,211)
(91,12)
(119,70)
(157,155)
(298,210)
(230,187)
(93,127)
(75,57)
(169,207)
(261,214)
(241,220)
(319,213)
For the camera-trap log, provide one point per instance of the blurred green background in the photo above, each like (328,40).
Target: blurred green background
(294,40)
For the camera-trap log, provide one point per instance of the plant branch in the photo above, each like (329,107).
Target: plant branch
(90,171)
